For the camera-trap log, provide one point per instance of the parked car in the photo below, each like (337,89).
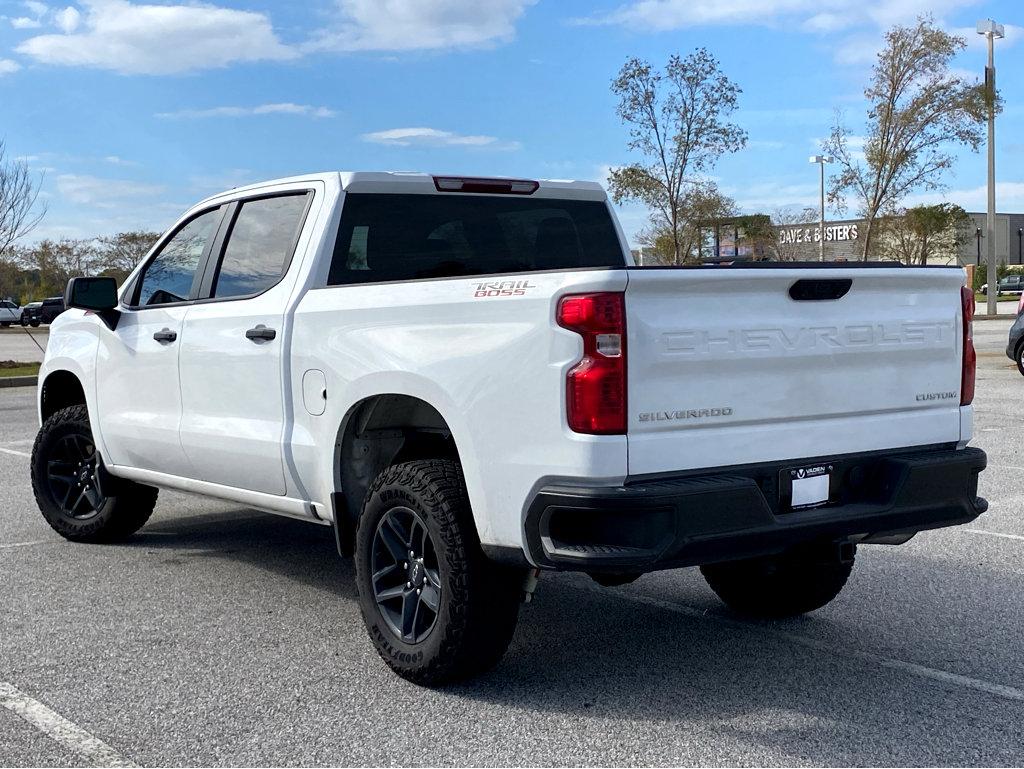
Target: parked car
(438,368)
(45,311)
(9,313)
(1011,284)
(1015,344)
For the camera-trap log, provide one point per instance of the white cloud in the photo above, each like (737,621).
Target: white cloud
(7,66)
(134,38)
(407,25)
(814,15)
(103,193)
(68,19)
(1009,197)
(35,7)
(433,137)
(24,22)
(283,108)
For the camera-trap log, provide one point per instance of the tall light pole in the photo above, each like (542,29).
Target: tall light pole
(821,160)
(991,31)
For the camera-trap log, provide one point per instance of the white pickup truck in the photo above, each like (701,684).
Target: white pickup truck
(470,381)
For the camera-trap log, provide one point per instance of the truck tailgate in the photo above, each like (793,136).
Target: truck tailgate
(727,368)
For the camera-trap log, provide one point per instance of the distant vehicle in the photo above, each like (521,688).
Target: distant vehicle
(1011,284)
(1015,344)
(9,313)
(45,311)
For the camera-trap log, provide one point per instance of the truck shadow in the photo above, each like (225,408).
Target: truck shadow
(615,669)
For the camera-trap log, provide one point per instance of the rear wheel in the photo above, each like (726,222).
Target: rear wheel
(1020,358)
(79,500)
(781,586)
(437,610)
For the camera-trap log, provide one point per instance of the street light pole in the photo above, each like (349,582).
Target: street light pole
(821,160)
(991,31)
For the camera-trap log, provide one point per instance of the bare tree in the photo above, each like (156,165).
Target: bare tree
(918,108)
(57,261)
(19,193)
(784,249)
(678,122)
(119,254)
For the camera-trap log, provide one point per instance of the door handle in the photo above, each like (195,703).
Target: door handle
(260,332)
(166,336)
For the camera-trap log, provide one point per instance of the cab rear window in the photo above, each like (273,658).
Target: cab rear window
(387,237)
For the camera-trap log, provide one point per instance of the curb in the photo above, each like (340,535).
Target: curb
(995,317)
(18,381)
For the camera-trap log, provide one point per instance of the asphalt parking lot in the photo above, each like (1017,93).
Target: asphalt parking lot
(222,636)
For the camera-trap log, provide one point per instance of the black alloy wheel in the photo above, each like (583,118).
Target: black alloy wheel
(406,577)
(73,475)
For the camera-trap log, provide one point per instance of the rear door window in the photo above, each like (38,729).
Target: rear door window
(387,237)
(169,276)
(260,245)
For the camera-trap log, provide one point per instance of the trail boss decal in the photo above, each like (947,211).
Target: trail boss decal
(502,288)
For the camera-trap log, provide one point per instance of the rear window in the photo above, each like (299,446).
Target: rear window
(386,237)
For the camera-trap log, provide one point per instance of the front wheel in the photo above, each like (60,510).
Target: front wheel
(437,610)
(1020,358)
(76,497)
(781,586)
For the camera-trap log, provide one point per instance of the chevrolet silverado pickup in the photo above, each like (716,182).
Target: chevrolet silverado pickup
(471,382)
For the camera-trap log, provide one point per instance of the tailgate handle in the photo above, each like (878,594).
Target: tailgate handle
(819,289)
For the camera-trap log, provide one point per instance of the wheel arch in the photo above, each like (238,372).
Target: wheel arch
(59,390)
(379,431)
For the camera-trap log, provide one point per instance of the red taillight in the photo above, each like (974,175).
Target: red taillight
(1020,304)
(970,366)
(595,387)
(478,184)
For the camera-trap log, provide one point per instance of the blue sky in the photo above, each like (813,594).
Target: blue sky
(133,111)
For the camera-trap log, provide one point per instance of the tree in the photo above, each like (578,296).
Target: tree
(912,235)
(19,193)
(678,122)
(697,213)
(119,254)
(918,107)
(786,251)
(59,261)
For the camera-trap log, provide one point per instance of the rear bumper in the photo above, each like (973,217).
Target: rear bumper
(696,518)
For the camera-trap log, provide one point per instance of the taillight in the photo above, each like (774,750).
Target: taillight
(970,365)
(1020,304)
(595,387)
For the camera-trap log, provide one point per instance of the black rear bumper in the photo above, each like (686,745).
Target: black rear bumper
(696,518)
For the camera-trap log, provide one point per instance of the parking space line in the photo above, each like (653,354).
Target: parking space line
(942,676)
(21,544)
(994,534)
(15,452)
(59,729)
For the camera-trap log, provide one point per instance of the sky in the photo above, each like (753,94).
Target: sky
(131,112)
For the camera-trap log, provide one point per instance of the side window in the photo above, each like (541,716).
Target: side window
(260,245)
(168,277)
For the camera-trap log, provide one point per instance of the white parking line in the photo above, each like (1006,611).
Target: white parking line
(21,544)
(994,534)
(15,452)
(942,676)
(57,728)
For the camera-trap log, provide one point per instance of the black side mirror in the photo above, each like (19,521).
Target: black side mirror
(96,294)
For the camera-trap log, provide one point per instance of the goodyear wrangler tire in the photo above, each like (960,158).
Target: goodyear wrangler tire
(436,609)
(76,497)
(780,586)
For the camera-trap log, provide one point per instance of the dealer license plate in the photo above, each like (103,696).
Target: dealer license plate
(810,486)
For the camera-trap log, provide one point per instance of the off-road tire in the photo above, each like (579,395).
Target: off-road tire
(779,586)
(126,505)
(479,599)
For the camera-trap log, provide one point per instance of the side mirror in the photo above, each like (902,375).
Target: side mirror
(96,294)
